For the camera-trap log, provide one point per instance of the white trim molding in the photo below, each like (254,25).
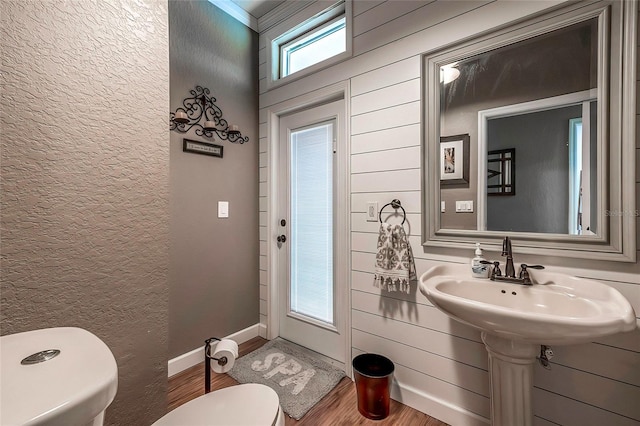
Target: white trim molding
(436,407)
(280,13)
(237,13)
(196,356)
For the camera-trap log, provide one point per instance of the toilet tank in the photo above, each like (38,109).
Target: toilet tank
(55,376)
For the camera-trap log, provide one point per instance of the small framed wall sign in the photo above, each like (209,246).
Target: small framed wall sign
(203,148)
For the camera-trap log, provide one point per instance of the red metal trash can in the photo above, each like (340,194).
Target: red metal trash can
(373,374)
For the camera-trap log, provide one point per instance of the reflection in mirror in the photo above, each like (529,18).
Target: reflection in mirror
(534,100)
(556,141)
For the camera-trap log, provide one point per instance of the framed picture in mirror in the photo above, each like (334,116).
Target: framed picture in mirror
(501,172)
(454,159)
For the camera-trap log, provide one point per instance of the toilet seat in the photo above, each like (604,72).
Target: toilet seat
(242,405)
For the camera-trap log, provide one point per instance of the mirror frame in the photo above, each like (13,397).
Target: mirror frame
(616,238)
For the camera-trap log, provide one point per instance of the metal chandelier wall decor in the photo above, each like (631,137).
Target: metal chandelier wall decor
(201,112)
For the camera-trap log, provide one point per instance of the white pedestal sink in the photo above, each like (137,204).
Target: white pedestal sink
(515,320)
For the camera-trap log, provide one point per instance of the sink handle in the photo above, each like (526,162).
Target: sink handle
(524,265)
(496,272)
(524,273)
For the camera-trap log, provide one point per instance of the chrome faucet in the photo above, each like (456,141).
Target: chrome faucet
(509,270)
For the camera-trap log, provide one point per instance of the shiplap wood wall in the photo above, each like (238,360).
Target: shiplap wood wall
(441,365)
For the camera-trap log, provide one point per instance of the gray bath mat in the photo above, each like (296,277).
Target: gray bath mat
(299,379)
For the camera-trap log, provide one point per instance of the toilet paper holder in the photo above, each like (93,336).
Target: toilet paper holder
(207,362)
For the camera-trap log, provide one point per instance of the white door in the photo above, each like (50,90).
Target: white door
(311,214)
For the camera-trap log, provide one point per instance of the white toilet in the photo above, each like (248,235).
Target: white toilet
(55,376)
(36,387)
(242,405)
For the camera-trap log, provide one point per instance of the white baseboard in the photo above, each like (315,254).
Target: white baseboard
(196,356)
(436,407)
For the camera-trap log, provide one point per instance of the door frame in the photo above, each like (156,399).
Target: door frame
(342,243)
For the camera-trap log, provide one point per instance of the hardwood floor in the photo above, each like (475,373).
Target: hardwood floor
(339,407)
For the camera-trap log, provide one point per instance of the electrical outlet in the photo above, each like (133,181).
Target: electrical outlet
(372,211)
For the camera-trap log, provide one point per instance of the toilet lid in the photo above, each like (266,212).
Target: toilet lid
(243,405)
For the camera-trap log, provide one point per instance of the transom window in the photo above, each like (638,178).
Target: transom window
(318,34)
(313,47)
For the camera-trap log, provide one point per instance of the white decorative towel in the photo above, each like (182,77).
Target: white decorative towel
(395,268)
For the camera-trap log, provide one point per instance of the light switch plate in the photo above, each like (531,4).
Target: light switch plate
(464,206)
(372,211)
(223,209)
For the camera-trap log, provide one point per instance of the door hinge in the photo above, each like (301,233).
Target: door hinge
(335,146)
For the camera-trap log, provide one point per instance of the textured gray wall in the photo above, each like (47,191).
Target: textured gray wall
(84,182)
(214,262)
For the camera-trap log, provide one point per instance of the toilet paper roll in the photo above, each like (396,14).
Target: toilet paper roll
(225,348)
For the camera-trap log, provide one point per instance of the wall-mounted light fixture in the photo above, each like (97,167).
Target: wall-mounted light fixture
(200,111)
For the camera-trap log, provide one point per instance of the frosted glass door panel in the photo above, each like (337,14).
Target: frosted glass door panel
(311,200)
(312,272)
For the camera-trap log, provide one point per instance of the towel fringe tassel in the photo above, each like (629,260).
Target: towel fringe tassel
(392,284)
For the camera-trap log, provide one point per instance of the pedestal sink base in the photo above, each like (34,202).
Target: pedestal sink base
(558,309)
(511,375)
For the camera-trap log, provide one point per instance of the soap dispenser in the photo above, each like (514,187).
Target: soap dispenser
(478,269)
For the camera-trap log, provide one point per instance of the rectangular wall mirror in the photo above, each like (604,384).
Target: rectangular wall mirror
(557,94)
